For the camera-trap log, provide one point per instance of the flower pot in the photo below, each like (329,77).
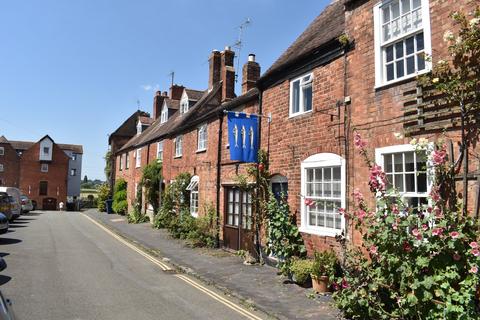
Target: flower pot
(320,284)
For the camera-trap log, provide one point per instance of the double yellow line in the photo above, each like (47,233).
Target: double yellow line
(182,277)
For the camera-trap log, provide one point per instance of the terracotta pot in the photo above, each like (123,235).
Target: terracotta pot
(320,284)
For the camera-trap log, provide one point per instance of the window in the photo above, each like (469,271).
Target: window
(160,150)
(193,188)
(202,138)
(74,157)
(239,203)
(279,186)
(139,127)
(301,95)
(184,106)
(120,160)
(138,158)
(402,38)
(127,160)
(323,193)
(43,188)
(2,151)
(406,171)
(44,167)
(178,146)
(164,114)
(46,150)
(1,167)
(73,172)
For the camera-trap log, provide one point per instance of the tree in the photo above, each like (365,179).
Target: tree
(85,179)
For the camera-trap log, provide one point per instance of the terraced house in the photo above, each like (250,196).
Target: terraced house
(354,68)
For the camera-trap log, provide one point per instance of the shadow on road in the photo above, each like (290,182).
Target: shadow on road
(21,221)
(9,241)
(25,219)
(4,254)
(4,279)
(33,213)
(14,225)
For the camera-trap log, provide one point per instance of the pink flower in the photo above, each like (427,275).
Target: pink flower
(373,250)
(437,231)
(377,178)
(438,157)
(434,194)
(345,284)
(473,245)
(341,211)
(395,209)
(454,234)
(407,247)
(415,232)
(357,195)
(309,202)
(360,214)
(424,227)
(438,212)
(476,252)
(358,141)
(456,257)
(394,226)
(474,269)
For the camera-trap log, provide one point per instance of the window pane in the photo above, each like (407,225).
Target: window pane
(400,69)
(398,162)
(310,189)
(307,98)
(389,53)
(409,44)
(407,23)
(410,65)
(318,175)
(312,219)
(409,162)
(386,32)
(422,182)
(389,72)
(399,182)
(410,182)
(329,221)
(416,3)
(417,18)
(420,62)
(317,189)
(327,190)
(389,181)
(309,175)
(336,174)
(405,6)
(388,162)
(338,221)
(336,190)
(386,14)
(419,39)
(396,28)
(399,49)
(296,96)
(329,207)
(395,10)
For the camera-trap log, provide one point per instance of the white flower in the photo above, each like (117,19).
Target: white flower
(455,15)
(423,142)
(474,22)
(435,80)
(398,135)
(413,142)
(448,36)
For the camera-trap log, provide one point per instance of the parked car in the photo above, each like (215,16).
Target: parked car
(6,310)
(5,205)
(34,205)
(15,194)
(27,205)
(15,207)
(3,223)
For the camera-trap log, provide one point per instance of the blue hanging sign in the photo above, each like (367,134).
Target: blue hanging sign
(243,136)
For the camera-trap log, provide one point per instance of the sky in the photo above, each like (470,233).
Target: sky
(75,70)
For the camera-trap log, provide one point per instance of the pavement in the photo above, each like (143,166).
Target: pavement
(258,286)
(63,265)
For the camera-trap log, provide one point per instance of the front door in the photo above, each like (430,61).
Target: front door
(238,224)
(49,204)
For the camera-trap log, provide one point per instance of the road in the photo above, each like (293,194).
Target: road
(63,266)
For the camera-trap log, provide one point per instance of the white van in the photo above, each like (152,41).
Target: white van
(15,193)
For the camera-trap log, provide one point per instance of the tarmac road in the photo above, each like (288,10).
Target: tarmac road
(63,266)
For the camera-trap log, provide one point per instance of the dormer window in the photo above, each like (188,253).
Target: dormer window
(184,103)
(46,150)
(164,114)
(139,127)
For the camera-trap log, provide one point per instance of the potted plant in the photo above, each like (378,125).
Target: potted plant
(301,270)
(323,269)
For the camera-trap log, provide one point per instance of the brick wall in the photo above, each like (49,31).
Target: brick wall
(11,166)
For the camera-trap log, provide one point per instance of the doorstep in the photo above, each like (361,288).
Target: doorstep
(258,286)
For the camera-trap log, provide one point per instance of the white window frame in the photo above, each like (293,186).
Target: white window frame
(127,160)
(380,72)
(120,160)
(178,146)
(301,101)
(164,113)
(1,167)
(44,167)
(202,137)
(2,151)
(138,158)
(194,198)
(322,160)
(139,127)
(379,159)
(184,103)
(160,150)
(73,172)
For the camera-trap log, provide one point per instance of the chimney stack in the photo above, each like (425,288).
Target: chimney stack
(157,104)
(227,74)
(214,69)
(176,92)
(250,73)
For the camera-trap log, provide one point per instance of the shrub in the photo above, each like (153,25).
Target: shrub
(151,179)
(137,217)
(120,204)
(103,195)
(324,264)
(301,269)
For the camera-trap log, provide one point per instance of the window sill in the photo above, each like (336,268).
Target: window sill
(177,157)
(325,232)
(193,214)
(299,114)
(400,81)
(201,150)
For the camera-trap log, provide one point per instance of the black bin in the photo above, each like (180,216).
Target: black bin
(108,206)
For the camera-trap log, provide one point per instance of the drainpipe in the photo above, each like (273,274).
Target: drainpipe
(257,222)
(219,160)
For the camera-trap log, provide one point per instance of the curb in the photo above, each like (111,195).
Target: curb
(246,302)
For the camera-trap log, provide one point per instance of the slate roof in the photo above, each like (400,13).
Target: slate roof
(129,127)
(194,94)
(145,120)
(172,104)
(3,139)
(24,145)
(329,25)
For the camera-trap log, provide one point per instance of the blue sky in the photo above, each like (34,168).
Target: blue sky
(75,69)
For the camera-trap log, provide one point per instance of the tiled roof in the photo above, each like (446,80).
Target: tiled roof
(129,127)
(194,94)
(145,120)
(172,104)
(329,25)
(3,139)
(24,145)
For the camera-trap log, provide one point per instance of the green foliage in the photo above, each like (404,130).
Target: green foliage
(301,269)
(120,204)
(108,164)
(283,238)
(137,217)
(103,195)
(151,180)
(423,261)
(324,264)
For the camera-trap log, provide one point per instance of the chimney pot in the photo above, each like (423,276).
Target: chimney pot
(250,73)
(251,57)
(158,93)
(228,48)
(165,93)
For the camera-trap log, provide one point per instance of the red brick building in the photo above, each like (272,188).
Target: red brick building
(41,170)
